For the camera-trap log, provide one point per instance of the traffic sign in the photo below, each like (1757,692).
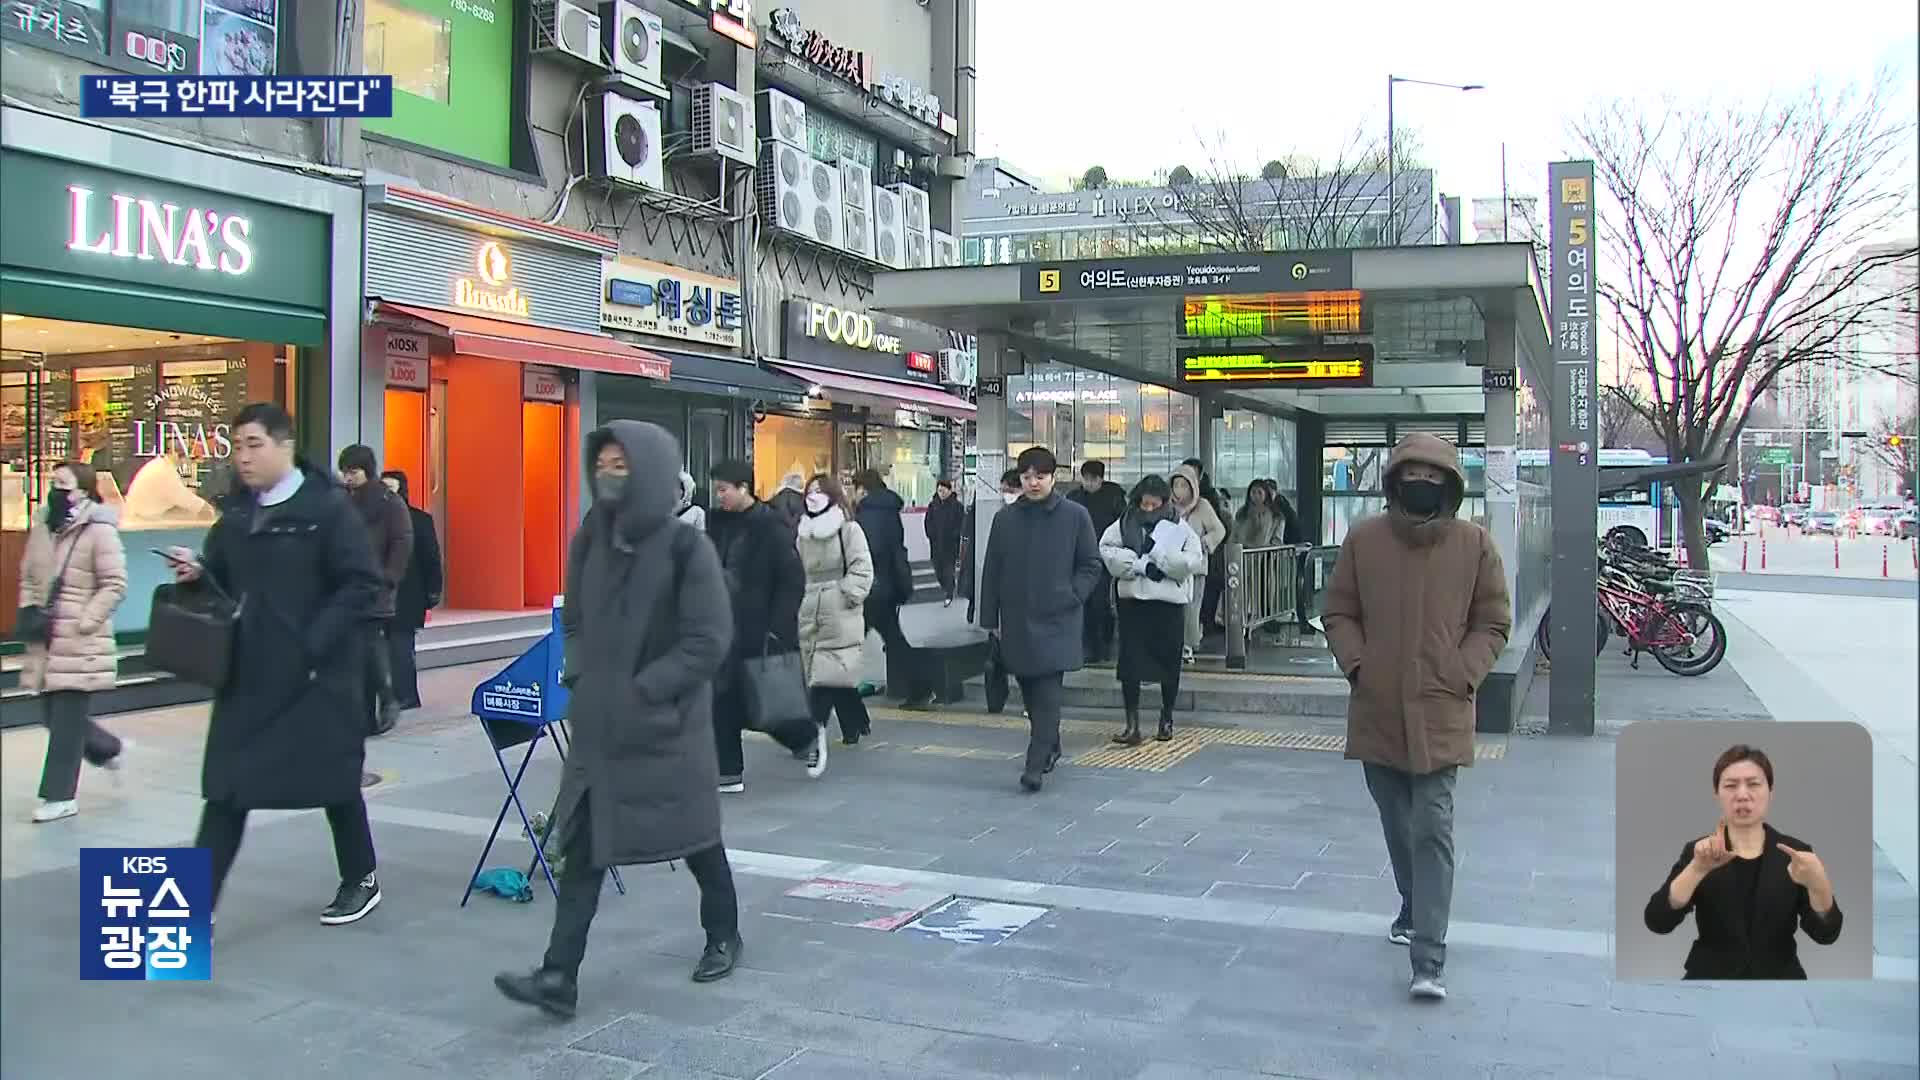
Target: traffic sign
(1776,455)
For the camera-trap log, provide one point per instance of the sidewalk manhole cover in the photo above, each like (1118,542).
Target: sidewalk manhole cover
(972,921)
(368,779)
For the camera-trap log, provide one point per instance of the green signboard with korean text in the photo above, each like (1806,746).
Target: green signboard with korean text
(451,62)
(94,245)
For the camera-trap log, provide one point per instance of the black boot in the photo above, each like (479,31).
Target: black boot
(1165,732)
(1039,763)
(718,960)
(552,992)
(1131,736)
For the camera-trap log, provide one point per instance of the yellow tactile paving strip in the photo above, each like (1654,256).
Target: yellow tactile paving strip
(1150,756)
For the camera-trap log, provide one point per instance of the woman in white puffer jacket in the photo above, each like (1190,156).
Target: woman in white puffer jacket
(833,624)
(1159,565)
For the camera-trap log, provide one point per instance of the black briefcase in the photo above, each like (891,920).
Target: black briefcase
(191,631)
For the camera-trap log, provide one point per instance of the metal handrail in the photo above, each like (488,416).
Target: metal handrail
(1262,589)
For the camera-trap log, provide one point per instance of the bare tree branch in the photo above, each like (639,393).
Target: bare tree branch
(1736,243)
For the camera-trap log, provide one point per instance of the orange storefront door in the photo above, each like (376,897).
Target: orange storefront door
(543,479)
(406,449)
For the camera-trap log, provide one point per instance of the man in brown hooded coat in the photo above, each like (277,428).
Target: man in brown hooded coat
(1416,615)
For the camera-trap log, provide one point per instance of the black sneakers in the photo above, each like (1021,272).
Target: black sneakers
(718,960)
(552,992)
(352,903)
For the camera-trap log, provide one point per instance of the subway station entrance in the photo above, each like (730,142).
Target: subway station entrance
(1303,368)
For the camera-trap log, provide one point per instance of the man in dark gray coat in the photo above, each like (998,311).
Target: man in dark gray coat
(1043,561)
(646,624)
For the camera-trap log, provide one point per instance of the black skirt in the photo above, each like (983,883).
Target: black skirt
(1152,633)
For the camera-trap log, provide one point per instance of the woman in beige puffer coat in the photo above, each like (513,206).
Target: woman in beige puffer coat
(75,570)
(833,626)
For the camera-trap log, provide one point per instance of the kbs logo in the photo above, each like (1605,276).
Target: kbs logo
(165,54)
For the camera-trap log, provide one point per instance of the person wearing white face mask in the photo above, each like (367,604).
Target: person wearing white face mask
(833,629)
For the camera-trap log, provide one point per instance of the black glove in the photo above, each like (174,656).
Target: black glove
(1154,573)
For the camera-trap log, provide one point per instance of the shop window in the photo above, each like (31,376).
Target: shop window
(412,46)
(788,445)
(446,58)
(907,459)
(151,37)
(971,247)
(149,410)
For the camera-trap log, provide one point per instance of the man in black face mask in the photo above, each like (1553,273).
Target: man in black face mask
(1416,614)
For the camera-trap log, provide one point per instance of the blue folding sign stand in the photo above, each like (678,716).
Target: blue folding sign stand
(518,707)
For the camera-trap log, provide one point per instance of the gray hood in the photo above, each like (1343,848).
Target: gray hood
(653,482)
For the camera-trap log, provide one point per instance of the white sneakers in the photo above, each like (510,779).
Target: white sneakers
(1427,988)
(817,757)
(54,810)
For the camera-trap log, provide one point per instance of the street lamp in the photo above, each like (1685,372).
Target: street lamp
(1392,188)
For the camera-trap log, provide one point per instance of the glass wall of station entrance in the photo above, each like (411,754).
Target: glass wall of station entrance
(1135,428)
(1354,459)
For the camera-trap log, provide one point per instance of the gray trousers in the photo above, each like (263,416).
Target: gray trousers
(71,737)
(1416,816)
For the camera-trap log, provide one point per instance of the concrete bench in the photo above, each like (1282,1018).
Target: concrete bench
(950,657)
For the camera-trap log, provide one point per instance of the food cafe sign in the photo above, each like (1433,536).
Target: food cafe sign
(121,226)
(851,328)
(491,289)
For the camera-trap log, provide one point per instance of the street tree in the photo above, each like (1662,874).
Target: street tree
(1895,441)
(1730,245)
(1296,201)
(1622,418)
(1094,178)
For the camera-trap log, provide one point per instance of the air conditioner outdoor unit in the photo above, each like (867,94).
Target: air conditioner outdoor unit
(631,36)
(782,118)
(957,367)
(889,230)
(919,251)
(623,141)
(800,195)
(722,123)
(567,29)
(913,201)
(946,249)
(856,189)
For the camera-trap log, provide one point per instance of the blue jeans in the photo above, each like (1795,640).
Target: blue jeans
(1416,816)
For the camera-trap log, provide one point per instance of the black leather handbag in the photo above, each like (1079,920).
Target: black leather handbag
(191,632)
(775,689)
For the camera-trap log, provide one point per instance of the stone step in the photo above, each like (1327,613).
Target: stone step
(1208,692)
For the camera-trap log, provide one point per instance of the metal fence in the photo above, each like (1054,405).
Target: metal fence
(1265,590)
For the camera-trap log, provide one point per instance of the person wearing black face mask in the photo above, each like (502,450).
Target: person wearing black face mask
(1416,614)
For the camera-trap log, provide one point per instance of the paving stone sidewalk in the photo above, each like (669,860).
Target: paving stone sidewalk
(1222,917)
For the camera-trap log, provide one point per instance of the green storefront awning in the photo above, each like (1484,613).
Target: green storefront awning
(96,300)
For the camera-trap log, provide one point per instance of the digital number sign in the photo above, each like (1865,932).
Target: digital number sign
(1299,367)
(1333,311)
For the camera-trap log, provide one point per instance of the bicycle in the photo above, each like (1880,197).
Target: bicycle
(1683,634)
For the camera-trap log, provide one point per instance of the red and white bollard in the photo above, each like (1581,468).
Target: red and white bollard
(1836,551)
(1763,553)
(1883,560)
(1743,556)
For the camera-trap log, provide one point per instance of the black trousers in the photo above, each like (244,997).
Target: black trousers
(1096,624)
(884,619)
(581,883)
(844,700)
(400,662)
(729,722)
(223,824)
(1042,695)
(71,737)
(379,668)
(946,568)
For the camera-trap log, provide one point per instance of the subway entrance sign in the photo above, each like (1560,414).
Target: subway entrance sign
(1299,366)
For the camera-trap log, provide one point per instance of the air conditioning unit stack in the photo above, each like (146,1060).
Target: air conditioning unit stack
(782,118)
(569,31)
(957,367)
(946,249)
(630,34)
(856,191)
(623,141)
(800,195)
(889,228)
(917,224)
(722,124)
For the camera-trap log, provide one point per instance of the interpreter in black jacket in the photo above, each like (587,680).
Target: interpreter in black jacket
(1042,562)
(945,524)
(420,592)
(877,511)
(286,731)
(1747,884)
(1104,502)
(766,581)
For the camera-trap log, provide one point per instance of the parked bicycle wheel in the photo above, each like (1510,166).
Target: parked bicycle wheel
(1602,626)
(1709,645)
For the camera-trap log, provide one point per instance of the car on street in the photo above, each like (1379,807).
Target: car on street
(1717,531)
(1822,522)
(1903,525)
(1880,520)
(1794,516)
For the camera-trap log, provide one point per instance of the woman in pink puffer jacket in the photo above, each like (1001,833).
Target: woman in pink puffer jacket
(76,544)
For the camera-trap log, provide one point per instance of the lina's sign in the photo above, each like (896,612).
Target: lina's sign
(149,230)
(492,290)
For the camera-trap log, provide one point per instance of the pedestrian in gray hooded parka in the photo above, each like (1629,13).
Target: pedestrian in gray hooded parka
(646,624)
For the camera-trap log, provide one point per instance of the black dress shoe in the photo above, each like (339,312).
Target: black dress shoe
(1031,781)
(718,960)
(552,992)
